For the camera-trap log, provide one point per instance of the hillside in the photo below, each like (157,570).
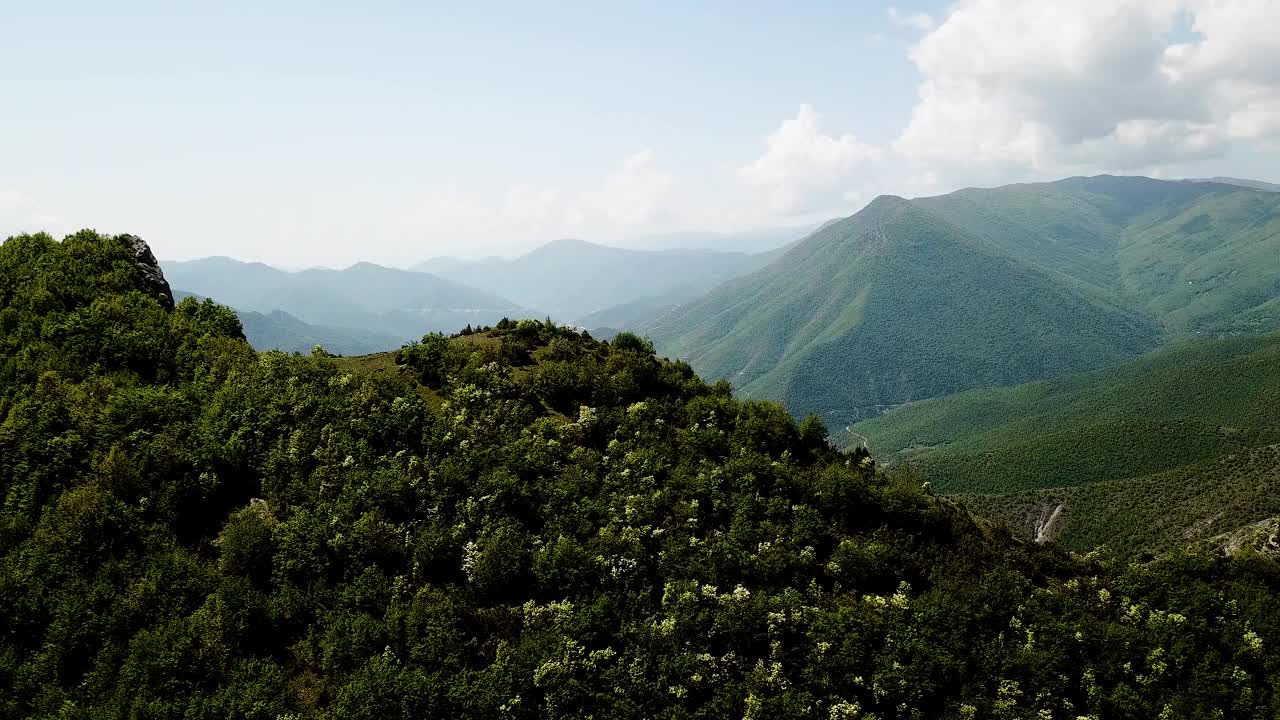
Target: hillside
(891,305)
(1152,514)
(573,278)
(910,299)
(1150,455)
(370,298)
(1189,403)
(521,522)
(1198,257)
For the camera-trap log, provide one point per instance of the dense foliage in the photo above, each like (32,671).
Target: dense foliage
(1196,401)
(522,522)
(1146,455)
(1151,514)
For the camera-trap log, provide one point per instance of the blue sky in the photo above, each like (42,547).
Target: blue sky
(324,133)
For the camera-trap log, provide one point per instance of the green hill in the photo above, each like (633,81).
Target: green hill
(1190,403)
(366,298)
(891,305)
(1198,256)
(522,523)
(573,278)
(1145,456)
(1153,514)
(911,299)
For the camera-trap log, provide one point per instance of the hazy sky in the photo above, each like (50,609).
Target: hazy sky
(322,133)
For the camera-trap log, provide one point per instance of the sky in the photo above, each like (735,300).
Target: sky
(324,133)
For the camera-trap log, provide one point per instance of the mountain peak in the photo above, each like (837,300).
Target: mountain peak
(884,204)
(887,201)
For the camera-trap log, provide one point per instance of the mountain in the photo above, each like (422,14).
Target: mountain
(381,301)
(1255,184)
(278,330)
(891,305)
(910,299)
(525,523)
(573,278)
(1198,257)
(1137,455)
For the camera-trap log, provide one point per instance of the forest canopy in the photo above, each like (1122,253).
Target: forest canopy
(522,522)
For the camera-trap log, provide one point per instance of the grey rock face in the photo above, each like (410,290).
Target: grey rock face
(149,267)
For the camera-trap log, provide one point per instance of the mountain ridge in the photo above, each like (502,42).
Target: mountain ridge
(386,301)
(592,277)
(1117,264)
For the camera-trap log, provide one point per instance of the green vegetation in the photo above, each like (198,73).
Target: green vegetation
(1194,402)
(915,299)
(1142,456)
(891,305)
(1153,514)
(569,529)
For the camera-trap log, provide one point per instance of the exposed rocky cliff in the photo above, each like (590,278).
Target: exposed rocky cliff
(152,276)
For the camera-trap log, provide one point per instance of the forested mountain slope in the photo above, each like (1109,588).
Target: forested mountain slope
(1192,402)
(1146,455)
(911,299)
(522,523)
(896,304)
(1200,257)
(1151,514)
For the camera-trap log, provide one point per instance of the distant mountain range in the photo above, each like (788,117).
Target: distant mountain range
(379,303)
(368,308)
(1255,184)
(278,330)
(910,299)
(571,279)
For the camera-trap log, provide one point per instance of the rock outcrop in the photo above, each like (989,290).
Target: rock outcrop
(149,268)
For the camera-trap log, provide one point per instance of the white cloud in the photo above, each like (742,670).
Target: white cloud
(635,197)
(535,204)
(802,166)
(634,194)
(918,21)
(1011,87)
